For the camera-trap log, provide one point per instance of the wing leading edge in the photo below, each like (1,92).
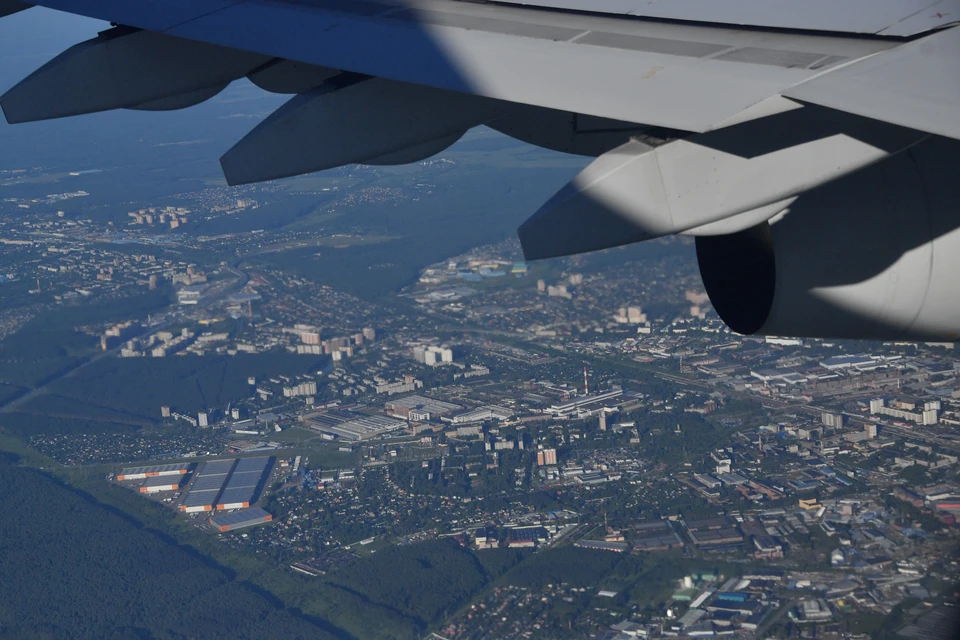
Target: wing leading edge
(679,76)
(696,124)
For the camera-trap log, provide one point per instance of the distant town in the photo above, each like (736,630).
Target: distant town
(780,487)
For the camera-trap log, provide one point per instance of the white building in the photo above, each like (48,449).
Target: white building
(833,420)
(928,416)
(481,414)
(432,356)
(302,389)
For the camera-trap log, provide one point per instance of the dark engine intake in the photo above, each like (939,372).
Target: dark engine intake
(873,255)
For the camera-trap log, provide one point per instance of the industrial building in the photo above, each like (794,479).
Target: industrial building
(360,428)
(581,402)
(197,501)
(482,414)
(861,362)
(207,485)
(155,484)
(246,479)
(139,473)
(323,420)
(404,407)
(707,532)
(240,519)
(707,537)
(656,535)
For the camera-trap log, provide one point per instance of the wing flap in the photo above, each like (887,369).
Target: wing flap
(354,119)
(883,17)
(124,68)
(916,85)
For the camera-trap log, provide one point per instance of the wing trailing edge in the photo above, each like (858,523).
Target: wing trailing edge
(124,68)
(354,119)
(915,85)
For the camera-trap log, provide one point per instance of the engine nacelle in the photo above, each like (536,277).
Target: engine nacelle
(873,255)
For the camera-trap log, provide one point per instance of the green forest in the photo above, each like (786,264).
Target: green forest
(424,581)
(51,343)
(73,569)
(130,391)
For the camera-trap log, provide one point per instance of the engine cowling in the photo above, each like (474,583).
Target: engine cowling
(875,254)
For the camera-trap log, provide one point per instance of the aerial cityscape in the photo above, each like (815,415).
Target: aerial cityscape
(344,406)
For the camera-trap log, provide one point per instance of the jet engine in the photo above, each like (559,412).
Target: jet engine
(875,254)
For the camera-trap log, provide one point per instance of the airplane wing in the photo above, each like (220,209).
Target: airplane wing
(707,117)
(679,74)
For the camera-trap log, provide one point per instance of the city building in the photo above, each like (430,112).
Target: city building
(190,295)
(907,411)
(723,462)
(308,388)
(832,420)
(486,538)
(393,388)
(432,356)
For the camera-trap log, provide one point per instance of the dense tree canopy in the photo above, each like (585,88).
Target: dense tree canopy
(73,569)
(424,580)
